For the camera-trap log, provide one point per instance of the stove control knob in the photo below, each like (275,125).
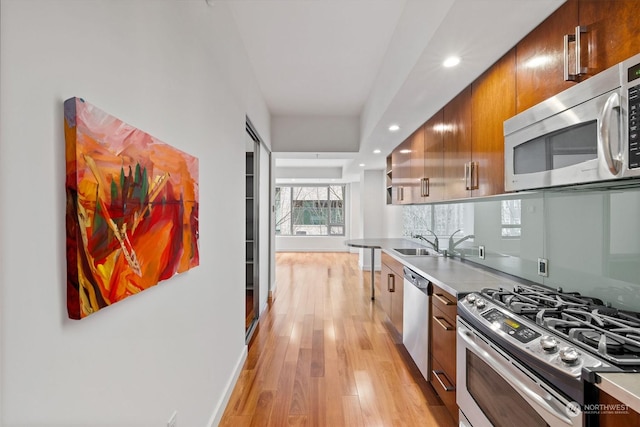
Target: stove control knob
(471,298)
(569,355)
(480,303)
(549,344)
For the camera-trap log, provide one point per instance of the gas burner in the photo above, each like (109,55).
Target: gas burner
(596,339)
(586,322)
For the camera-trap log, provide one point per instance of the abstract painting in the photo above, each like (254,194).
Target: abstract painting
(132,209)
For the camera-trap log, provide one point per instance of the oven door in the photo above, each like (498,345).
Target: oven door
(494,389)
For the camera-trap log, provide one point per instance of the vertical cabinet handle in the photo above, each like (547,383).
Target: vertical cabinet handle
(578,70)
(474,176)
(467,167)
(391,282)
(400,194)
(424,187)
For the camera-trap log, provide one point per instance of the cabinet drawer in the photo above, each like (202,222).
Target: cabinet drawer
(393,264)
(445,302)
(445,386)
(443,341)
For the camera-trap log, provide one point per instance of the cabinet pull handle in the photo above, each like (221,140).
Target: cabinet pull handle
(579,70)
(391,282)
(467,167)
(424,187)
(444,300)
(443,322)
(474,176)
(446,388)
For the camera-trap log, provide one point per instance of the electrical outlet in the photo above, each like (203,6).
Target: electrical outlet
(543,267)
(481,251)
(173,421)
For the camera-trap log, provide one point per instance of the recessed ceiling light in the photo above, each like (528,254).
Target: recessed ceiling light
(405,151)
(377,151)
(394,128)
(451,61)
(362,165)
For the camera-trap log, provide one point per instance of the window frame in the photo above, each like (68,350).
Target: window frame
(329,225)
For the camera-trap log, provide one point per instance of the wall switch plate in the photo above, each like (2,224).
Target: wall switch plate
(481,251)
(173,421)
(543,267)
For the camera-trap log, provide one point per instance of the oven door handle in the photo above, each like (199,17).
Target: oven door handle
(499,367)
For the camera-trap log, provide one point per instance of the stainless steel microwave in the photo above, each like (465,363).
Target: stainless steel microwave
(585,134)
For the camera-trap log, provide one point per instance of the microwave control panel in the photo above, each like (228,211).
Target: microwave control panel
(634,133)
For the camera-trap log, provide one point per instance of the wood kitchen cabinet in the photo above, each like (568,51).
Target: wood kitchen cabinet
(391,291)
(492,102)
(457,146)
(608,417)
(540,57)
(401,166)
(608,31)
(443,348)
(433,184)
(418,180)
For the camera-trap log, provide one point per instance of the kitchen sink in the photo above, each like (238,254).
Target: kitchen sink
(416,252)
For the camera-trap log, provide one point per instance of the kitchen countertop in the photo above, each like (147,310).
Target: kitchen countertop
(624,386)
(459,277)
(456,276)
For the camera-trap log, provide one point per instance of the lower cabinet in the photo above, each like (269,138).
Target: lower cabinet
(391,291)
(616,414)
(443,348)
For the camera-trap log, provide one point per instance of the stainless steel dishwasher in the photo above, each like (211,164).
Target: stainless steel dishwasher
(415,322)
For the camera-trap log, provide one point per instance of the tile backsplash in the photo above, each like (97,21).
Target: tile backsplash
(591,239)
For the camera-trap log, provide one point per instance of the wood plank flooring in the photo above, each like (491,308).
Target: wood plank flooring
(322,356)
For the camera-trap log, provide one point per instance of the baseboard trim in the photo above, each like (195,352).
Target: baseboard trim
(312,250)
(224,400)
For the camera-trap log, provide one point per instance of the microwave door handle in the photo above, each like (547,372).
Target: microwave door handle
(500,367)
(604,133)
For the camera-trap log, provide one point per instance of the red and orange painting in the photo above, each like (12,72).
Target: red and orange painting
(132,209)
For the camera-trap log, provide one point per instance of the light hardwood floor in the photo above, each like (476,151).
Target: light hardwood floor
(322,356)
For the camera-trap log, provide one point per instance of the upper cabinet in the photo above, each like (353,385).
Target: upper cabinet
(593,34)
(488,114)
(401,166)
(459,152)
(540,57)
(457,147)
(433,182)
(418,180)
(612,32)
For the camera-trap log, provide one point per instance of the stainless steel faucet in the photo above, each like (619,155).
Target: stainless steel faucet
(435,244)
(453,244)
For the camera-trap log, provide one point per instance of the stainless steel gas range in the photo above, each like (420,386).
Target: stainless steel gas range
(528,357)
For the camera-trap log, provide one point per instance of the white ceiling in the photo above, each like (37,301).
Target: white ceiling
(376,59)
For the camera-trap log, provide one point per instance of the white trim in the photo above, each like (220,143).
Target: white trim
(224,400)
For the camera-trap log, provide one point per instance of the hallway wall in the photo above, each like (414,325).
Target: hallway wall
(177,70)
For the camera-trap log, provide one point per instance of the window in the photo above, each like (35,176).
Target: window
(310,210)
(511,212)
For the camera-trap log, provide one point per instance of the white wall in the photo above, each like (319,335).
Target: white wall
(306,134)
(177,70)
(372,201)
(264,226)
